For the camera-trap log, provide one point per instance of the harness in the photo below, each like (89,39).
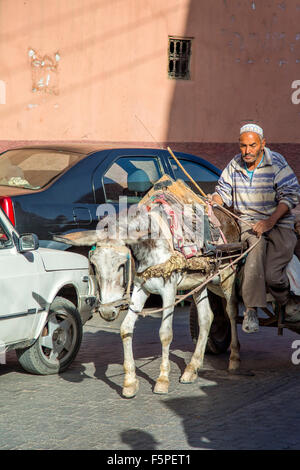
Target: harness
(204,283)
(212,268)
(179,262)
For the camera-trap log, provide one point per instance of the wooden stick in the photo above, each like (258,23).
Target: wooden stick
(186,173)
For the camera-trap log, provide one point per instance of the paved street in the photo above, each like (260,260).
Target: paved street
(83,408)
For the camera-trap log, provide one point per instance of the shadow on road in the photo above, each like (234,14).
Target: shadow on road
(139,440)
(11,364)
(240,413)
(218,411)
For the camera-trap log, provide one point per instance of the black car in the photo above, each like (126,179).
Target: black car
(57,190)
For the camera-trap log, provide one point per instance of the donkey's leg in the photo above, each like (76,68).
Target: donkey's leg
(138,299)
(205,318)
(228,287)
(232,311)
(168,294)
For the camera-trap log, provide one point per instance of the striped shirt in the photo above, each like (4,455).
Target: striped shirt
(256,198)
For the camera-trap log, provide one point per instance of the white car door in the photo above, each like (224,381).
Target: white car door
(20,275)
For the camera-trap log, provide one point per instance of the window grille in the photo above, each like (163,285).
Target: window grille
(179,58)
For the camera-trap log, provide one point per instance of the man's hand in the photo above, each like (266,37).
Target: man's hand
(215,198)
(263,226)
(267,224)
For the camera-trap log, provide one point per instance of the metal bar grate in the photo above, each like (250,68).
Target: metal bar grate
(179,58)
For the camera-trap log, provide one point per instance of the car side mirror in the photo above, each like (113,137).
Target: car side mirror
(28,242)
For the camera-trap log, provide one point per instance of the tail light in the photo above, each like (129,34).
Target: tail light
(7,206)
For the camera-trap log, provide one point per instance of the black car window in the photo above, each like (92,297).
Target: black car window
(131,177)
(204,177)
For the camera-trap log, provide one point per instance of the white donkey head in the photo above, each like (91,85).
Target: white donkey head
(110,262)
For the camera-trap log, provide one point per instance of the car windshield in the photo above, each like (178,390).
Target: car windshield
(34,168)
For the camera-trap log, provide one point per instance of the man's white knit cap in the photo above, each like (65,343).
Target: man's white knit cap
(252,128)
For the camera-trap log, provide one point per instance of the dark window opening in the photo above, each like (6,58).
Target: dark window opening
(179,58)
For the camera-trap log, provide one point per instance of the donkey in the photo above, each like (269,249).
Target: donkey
(110,260)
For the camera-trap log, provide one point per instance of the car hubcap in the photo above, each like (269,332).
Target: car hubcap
(59,337)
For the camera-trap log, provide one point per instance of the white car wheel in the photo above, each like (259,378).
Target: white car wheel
(58,343)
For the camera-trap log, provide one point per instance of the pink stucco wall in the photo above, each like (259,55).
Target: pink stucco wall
(111,68)
(107,66)
(246,57)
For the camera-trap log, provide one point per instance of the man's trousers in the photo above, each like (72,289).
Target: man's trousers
(265,266)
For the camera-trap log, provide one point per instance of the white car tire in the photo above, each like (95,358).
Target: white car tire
(59,342)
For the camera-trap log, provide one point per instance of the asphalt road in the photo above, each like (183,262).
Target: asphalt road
(83,407)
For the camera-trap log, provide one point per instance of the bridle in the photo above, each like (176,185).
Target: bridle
(122,303)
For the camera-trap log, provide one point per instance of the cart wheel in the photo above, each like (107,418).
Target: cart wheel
(220,332)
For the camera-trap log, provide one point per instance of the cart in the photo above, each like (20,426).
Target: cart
(220,332)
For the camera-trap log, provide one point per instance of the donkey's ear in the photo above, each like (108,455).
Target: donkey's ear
(86,238)
(136,237)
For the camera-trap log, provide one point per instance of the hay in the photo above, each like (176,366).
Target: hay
(177,262)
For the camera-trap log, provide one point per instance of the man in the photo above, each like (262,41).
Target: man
(262,189)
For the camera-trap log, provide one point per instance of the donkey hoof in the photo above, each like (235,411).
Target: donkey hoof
(129,391)
(234,365)
(161,386)
(189,376)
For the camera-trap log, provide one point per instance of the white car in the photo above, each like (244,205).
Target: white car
(45,298)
